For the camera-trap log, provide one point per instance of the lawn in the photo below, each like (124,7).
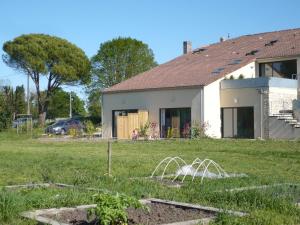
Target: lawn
(84,164)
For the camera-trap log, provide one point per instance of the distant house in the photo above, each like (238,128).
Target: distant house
(244,87)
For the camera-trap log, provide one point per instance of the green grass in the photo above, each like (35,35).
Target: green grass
(24,160)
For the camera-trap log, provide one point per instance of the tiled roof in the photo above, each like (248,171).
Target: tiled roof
(207,64)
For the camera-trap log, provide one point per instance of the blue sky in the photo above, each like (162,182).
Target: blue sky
(162,24)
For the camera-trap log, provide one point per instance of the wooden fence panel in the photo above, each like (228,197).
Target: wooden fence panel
(143,117)
(122,127)
(133,123)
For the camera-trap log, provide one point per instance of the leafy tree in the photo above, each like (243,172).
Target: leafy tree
(118,60)
(33,104)
(94,105)
(19,100)
(11,103)
(6,106)
(115,61)
(4,115)
(77,106)
(56,59)
(59,105)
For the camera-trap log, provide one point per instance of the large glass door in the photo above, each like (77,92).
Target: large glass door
(245,122)
(175,122)
(237,122)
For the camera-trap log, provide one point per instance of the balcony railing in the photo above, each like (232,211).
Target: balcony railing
(259,82)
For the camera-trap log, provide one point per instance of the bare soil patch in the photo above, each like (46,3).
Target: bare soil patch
(158,213)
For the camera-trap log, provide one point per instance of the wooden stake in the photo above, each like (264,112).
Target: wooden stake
(109,158)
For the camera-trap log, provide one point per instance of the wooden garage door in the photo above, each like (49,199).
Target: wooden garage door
(133,121)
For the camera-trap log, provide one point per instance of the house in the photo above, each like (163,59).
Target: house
(243,87)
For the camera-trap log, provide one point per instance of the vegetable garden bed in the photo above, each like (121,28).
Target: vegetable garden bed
(160,212)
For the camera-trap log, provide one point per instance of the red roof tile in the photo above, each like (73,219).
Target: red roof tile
(207,64)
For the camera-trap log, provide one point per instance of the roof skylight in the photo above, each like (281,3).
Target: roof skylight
(198,50)
(235,62)
(271,43)
(253,52)
(218,70)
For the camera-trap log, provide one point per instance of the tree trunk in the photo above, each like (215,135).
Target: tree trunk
(42,118)
(42,106)
(42,102)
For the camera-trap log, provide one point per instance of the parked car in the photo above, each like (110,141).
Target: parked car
(63,126)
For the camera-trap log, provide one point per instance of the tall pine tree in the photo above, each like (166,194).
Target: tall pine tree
(19,103)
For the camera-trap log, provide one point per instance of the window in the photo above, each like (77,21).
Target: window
(282,69)
(175,122)
(237,122)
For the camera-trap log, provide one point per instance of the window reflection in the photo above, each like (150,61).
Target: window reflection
(282,69)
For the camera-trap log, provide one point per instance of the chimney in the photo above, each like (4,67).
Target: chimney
(221,39)
(187,47)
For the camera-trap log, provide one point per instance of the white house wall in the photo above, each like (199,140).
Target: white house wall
(247,71)
(298,72)
(245,97)
(151,101)
(281,99)
(212,98)
(212,112)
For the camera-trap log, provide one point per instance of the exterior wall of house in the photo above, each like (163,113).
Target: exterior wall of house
(268,95)
(279,129)
(298,71)
(274,60)
(244,97)
(151,101)
(298,85)
(212,117)
(296,103)
(264,95)
(281,99)
(296,109)
(251,70)
(247,71)
(298,65)
(212,112)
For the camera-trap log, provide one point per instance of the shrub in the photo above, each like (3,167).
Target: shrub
(186,130)
(199,130)
(89,127)
(73,132)
(153,130)
(111,209)
(5,121)
(23,127)
(143,131)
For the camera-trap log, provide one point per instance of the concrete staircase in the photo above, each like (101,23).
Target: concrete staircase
(283,125)
(287,117)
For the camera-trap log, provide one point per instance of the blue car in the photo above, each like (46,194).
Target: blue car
(63,126)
